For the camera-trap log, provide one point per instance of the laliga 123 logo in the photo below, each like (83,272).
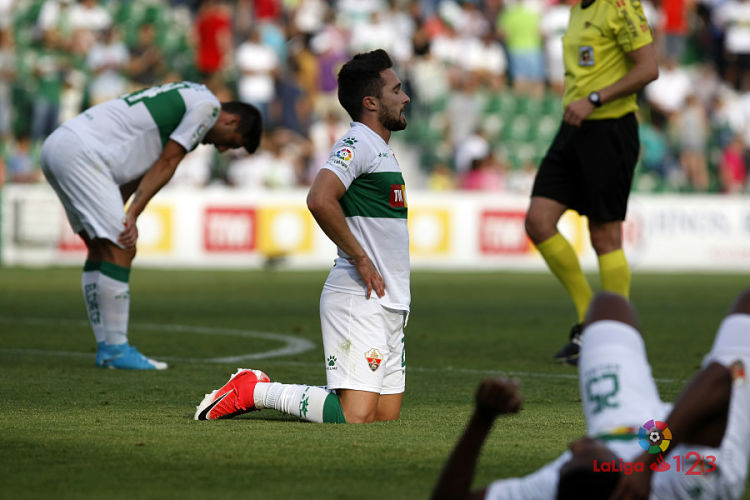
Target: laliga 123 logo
(655,437)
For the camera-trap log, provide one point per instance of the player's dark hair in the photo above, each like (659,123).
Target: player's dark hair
(251,123)
(359,78)
(585,484)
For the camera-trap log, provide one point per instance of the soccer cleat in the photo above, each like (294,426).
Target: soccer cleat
(569,354)
(100,351)
(234,398)
(127,357)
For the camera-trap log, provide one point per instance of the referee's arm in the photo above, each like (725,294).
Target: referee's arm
(645,69)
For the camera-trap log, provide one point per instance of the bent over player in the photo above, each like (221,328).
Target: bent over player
(358,199)
(620,402)
(131,146)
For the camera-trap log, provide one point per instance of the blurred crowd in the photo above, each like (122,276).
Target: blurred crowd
(485,78)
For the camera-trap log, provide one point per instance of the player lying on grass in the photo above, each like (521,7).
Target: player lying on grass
(706,442)
(131,146)
(358,199)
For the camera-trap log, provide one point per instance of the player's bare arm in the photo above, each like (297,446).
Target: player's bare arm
(645,70)
(323,203)
(495,396)
(127,189)
(698,417)
(156,177)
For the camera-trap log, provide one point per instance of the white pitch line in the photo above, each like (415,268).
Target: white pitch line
(294,345)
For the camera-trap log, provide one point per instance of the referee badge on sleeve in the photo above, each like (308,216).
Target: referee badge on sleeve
(586,55)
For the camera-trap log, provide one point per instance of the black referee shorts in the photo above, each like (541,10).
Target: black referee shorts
(590,168)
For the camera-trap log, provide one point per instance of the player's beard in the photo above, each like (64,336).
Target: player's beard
(391,122)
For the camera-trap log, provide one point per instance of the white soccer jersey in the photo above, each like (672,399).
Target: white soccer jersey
(375,208)
(617,388)
(128,134)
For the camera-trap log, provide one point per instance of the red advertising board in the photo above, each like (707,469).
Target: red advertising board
(230,229)
(501,232)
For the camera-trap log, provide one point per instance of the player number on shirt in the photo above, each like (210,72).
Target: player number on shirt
(601,391)
(153,92)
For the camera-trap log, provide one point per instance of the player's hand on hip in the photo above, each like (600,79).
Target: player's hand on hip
(370,275)
(496,396)
(129,234)
(577,111)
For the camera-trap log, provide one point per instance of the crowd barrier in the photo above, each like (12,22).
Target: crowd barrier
(219,227)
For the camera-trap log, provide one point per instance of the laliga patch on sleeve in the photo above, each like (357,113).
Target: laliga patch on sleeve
(342,157)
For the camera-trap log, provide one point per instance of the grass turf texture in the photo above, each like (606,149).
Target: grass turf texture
(74,431)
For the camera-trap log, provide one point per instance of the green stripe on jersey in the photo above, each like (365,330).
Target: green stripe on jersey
(379,194)
(164,104)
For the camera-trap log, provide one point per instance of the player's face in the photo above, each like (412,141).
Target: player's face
(585,450)
(224,135)
(393,102)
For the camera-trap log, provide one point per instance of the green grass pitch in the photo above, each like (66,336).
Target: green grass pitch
(70,430)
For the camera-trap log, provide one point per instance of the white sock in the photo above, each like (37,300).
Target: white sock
(90,290)
(311,403)
(114,308)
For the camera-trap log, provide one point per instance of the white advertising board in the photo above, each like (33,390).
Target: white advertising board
(221,227)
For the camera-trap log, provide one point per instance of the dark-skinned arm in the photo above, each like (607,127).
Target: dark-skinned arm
(323,203)
(495,396)
(698,417)
(155,178)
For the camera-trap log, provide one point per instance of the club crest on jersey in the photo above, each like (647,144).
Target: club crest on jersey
(342,157)
(374,358)
(586,55)
(398,196)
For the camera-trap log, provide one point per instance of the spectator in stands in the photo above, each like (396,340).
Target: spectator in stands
(553,25)
(519,26)
(213,34)
(258,68)
(485,174)
(484,56)
(8,72)
(21,164)
(441,178)
(270,168)
(734,17)
(107,62)
(674,26)
(692,134)
(147,64)
(427,75)
(292,108)
(733,167)
(667,95)
(323,135)
(89,20)
(55,15)
(49,68)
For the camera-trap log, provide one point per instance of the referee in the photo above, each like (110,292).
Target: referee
(609,55)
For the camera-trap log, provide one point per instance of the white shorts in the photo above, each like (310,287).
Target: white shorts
(363,344)
(617,387)
(90,196)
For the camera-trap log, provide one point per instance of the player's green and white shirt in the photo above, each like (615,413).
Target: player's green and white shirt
(128,134)
(375,209)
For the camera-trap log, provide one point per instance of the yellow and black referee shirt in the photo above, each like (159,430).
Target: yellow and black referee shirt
(595,48)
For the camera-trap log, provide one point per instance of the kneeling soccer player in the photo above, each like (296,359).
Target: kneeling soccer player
(358,199)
